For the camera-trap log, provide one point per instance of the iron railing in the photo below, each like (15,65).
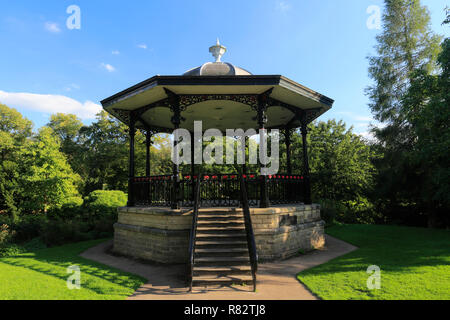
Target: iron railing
(218,190)
(193,232)
(249,232)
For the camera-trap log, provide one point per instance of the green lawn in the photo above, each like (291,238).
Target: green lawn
(42,275)
(414,263)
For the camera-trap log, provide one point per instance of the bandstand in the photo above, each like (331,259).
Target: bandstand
(220,225)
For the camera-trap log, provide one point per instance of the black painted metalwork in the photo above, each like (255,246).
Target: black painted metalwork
(263,102)
(148,143)
(131,171)
(193,232)
(174,103)
(287,140)
(307,190)
(249,231)
(221,190)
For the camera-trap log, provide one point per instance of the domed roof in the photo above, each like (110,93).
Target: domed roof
(217,68)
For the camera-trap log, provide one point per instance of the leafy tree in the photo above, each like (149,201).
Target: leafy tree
(14,132)
(340,164)
(66,126)
(104,151)
(48,180)
(427,107)
(406,45)
(447,19)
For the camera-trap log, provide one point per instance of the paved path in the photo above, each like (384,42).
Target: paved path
(276,280)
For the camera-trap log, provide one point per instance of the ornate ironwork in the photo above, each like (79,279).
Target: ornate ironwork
(191,99)
(309,115)
(218,190)
(161,103)
(123,115)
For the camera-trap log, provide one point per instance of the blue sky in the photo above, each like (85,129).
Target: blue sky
(47,68)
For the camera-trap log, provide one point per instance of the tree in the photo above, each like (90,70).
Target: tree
(104,154)
(406,45)
(48,179)
(447,18)
(14,132)
(340,164)
(67,128)
(429,97)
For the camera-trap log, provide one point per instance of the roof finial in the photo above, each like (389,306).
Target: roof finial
(218,51)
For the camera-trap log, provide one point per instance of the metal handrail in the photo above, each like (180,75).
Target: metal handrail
(194,231)
(249,232)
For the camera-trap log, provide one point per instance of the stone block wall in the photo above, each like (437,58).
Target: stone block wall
(162,234)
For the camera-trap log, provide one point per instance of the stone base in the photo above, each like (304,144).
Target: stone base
(162,234)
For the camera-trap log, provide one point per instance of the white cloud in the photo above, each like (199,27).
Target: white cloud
(142,46)
(356,117)
(283,6)
(107,67)
(49,103)
(367,135)
(115,52)
(72,86)
(52,27)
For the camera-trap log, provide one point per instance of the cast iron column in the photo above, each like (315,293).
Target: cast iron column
(244,165)
(148,143)
(287,140)
(174,102)
(307,187)
(262,119)
(193,167)
(132,128)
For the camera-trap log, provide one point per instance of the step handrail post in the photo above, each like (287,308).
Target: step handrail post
(249,232)
(194,231)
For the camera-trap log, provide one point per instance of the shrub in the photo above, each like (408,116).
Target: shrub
(6,234)
(330,210)
(10,250)
(70,209)
(104,204)
(57,232)
(29,227)
(34,245)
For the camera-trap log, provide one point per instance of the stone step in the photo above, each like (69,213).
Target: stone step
(221,261)
(220,216)
(223,271)
(198,281)
(221,236)
(220,224)
(220,230)
(223,243)
(220,252)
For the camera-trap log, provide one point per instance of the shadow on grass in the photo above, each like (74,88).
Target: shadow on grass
(401,252)
(54,262)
